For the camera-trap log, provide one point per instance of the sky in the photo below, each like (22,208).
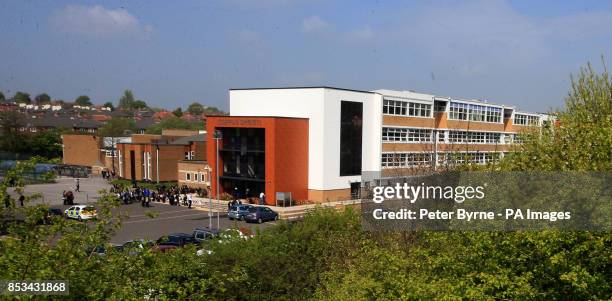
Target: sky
(172,53)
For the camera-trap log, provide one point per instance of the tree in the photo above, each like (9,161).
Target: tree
(213,111)
(22,97)
(2,96)
(83,101)
(117,127)
(12,139)
(178,112)
(127,102)
(47,144)
(583,139)
(42,99)
(174,123)
(195,109)
(139,104)
(110,105)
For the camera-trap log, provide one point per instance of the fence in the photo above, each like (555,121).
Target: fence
(4,155)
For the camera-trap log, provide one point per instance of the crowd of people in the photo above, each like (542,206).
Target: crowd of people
(174,195)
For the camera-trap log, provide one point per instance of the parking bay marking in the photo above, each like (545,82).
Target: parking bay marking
(164,218)
(158,212)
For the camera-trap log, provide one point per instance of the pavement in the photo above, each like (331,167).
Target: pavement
(171,219)
(167,219)
(139,225)
(52,192)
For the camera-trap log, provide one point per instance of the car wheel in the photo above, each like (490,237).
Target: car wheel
(242,218)
(231,219)
(259,220)
(276,217)
(80,219)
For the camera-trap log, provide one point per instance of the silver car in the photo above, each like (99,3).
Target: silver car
(238,212)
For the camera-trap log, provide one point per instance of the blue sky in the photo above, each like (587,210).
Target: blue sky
(171,53)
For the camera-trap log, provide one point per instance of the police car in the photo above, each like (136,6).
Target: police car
(81,212)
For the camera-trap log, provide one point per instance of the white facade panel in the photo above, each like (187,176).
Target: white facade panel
(322,107)
(303,103)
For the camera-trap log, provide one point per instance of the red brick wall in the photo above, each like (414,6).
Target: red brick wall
(291,160)
(286,160)
(82,149)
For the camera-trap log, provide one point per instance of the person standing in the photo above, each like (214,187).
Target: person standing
(70,198)
(21,199)
(262,198)
(189,200)
(64,198)
(78,185)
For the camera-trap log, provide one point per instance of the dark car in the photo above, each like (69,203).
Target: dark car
(164,247)
(260,214)
(49,214)
(180,239)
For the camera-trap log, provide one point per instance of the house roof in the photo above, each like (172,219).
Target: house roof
(51,120)
(188,139)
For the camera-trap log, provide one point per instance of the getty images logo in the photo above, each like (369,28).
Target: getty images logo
(412,193)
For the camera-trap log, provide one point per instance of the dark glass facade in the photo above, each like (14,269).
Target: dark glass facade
(243,155)
(351,120)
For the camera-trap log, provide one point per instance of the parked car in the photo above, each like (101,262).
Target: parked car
(180,239)
(134,247)
(202,234)
(238,212)
(49,214)
(101,250)
(203,252)
(81,212)
(164,247)
(260,214)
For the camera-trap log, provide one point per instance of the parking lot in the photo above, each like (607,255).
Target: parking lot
(52,192)
(170,219)
(139,224)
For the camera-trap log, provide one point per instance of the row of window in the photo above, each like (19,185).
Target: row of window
(457,111)
(405,135)
(472,112)
(190,155)
(197,177)
(473,137)
(522,119)
(460,158)
(405,108)
(407,160)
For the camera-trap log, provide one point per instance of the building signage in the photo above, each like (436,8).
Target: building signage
(240,122)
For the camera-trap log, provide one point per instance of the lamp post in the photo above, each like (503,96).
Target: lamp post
(210,207)
(217,136)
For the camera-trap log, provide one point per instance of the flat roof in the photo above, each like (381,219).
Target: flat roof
(243,116)
(304,87)
(193,161)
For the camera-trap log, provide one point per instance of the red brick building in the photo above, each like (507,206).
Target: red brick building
(261,154)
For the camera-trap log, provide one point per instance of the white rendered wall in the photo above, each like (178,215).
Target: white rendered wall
(322,107)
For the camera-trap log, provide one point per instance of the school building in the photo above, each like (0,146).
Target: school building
(315,143)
